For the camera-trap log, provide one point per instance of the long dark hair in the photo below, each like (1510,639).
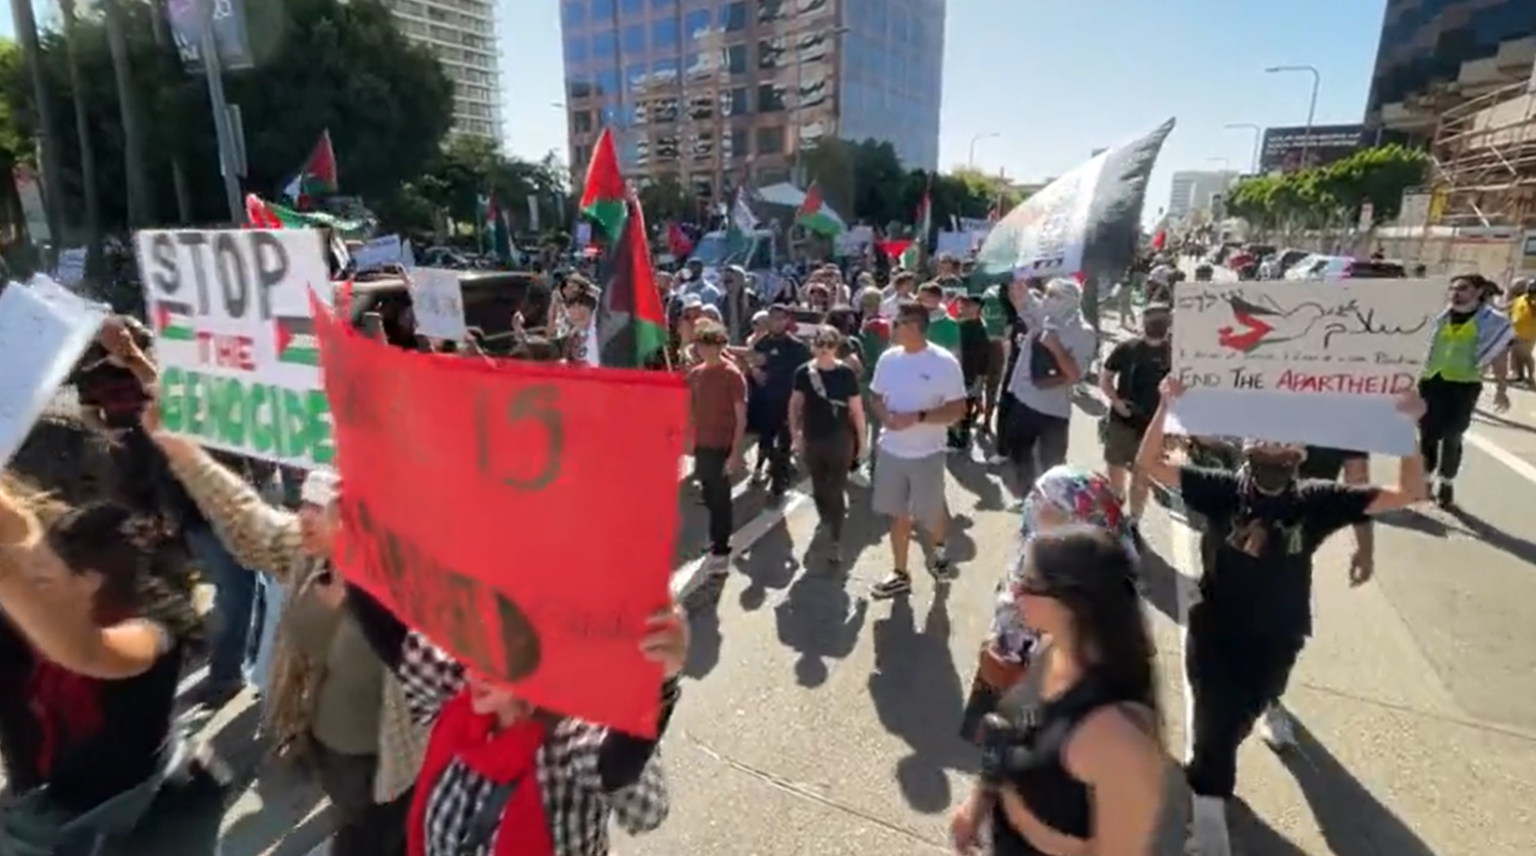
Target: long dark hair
(1090,572)
(136,570)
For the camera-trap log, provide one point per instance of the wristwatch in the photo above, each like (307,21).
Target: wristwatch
(922,416)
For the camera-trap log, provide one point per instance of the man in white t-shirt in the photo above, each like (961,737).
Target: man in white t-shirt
(903,288)
(918,390)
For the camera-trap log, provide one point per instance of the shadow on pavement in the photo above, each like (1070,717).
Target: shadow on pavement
(1251,835)
(1520,548)
(768,564)
(1414,521)
(918,697)
(704,639)
(974,476)
(1352,820)
(819,620)
(1488,417)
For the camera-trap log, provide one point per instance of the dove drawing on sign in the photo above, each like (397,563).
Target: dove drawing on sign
(1255,325)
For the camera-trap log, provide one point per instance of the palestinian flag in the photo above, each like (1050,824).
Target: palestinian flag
(294,339)
(261,214)
(604,194)
(173,321)
(317,177)
(815,217)
(912,257)
(631,324)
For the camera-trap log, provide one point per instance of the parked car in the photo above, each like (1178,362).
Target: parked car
(1331,268)
(490,300)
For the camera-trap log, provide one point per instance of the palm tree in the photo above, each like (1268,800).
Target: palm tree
(140,202)
(83,131)
(48,126)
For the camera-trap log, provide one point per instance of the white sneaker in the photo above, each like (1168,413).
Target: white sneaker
(997,460)
(718,565)
(1208,828)
(859,479)
(1275,728)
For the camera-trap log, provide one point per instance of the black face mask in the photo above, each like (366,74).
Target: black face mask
(1271,478)
(1157,328)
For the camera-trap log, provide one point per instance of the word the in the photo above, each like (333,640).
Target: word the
(239,269)
(442,602)
(1345,384)
(230,352)
(266,420)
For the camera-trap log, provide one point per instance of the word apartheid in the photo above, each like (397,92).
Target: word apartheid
(261,419)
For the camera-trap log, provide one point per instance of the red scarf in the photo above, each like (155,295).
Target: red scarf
(499,756)
(65,706)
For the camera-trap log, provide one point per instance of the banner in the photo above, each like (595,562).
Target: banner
(43,332)
(494,507)
(229,34)
(1303,362)
(239,366)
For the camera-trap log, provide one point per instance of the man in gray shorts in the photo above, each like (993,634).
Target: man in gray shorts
(917,391)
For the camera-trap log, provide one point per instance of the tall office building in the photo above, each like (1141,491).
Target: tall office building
(714,91)
(462,35)
(1436,54)
(1193,191)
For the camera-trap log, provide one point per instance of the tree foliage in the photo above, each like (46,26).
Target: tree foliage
(465,169)
(321,65)
(1332,194)
(866,181)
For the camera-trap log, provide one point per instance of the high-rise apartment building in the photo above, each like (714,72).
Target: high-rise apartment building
(462,35)
(1193,191)
(712,91)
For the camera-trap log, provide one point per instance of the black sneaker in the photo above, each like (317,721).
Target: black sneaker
(896,583)
(1445,495)
(940,565)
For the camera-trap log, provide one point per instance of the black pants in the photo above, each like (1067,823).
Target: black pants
(1036,442)
(1233,676)
(1448,408)
(960,431)
(775,442)
(1001,415)
(363,827)
(828,459)
(709,466)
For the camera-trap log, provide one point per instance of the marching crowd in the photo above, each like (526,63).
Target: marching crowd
(840,381)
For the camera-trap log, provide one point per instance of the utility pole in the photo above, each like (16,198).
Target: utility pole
(87,145)
(140,205)
(228,158)
(48,126)
(178,171)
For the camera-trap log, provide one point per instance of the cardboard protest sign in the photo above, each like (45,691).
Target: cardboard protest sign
(239,365)
(437,301)
(1321,363)
(43,332)
(379,252)
(494,507)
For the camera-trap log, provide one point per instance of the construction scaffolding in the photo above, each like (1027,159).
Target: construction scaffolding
(1483,161)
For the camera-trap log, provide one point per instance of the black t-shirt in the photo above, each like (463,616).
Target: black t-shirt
(975,349)
(1139,368)
(825,416)
(1268,595)
(783,355)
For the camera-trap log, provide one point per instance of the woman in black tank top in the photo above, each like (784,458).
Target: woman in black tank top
(1074,765)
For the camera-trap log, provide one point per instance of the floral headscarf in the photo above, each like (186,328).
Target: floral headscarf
(1086,498)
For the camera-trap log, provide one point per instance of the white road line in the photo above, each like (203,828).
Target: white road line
(1509,459)
(689,577)
(1185,563)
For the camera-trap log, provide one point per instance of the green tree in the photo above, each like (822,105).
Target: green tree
(1332,194)
(463,171)
(667,198)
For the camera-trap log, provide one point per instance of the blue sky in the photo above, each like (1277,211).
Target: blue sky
(1058,78)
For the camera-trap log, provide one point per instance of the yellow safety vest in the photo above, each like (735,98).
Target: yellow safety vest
(1453,356)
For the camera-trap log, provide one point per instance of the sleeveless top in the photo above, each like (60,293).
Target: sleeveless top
(1055,797)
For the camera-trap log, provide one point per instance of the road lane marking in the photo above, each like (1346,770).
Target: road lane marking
(687,579)
(1509,459)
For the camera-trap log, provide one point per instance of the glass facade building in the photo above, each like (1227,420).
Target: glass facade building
(1425,43)
(711,91)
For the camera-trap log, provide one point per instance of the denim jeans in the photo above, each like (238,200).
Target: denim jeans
(234,598)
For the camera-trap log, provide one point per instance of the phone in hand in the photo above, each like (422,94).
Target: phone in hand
(372,324)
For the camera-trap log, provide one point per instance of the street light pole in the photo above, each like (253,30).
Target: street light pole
(1258,134)
(1317,82)
(989,135)
(228,161)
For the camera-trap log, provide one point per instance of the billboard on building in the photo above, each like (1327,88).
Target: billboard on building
(1283,148)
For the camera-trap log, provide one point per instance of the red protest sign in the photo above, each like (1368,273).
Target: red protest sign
(521,515)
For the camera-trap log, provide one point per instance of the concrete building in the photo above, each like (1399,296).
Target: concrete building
(711,91)
(1193,191)
(462,34)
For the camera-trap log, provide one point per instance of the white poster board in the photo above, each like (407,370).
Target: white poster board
(239,361)
(437,301)
(1320,363)
(375,254)
(43,332)
(71,268)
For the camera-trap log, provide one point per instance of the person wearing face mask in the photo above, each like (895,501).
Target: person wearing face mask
(1253,615)
(1469,336)
(1019,307)
(1132,374)
(1055,355)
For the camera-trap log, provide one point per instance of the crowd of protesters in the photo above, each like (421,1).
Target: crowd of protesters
(872,379)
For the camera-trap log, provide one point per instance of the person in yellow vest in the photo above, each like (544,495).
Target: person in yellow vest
(1469,336)
(1522,314)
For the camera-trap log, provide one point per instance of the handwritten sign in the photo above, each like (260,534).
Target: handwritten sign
(437,300)
(43,332)
(514,547)
(70,270)
(379,252)
(239,362)
(1321,363)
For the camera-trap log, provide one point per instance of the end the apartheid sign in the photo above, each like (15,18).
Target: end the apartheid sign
(239,363)
(492,507)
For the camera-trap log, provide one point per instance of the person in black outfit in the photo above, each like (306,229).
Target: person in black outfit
(1083,760)
(1253,616)
(1014,341)
(975,359)
(1130,379)
(776,356)
(826,420)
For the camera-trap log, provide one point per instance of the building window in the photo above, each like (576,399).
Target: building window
(735,58)
(770,99)
(696,23)
(635,77)
(603,10)
(581,122)
(632,7)
(664,71)
(576,50)
(573,13)
(769,54)
(607,81)
(736,144)
(664,34)
(576,88)
(770,141)
(664,5)
(634,40)
(604,45)
(734,102)
(733,17)
(770,10)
